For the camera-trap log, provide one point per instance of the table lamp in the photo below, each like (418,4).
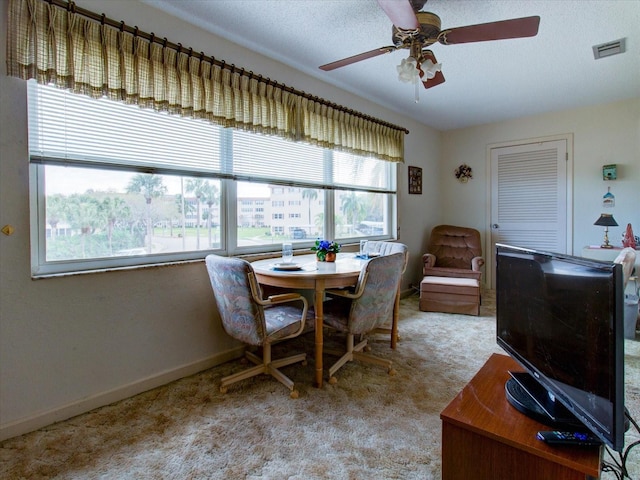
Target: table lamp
(606,220)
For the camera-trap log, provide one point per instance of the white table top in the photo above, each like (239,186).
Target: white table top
(346,264)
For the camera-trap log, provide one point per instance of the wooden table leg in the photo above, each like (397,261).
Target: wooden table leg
(319,298)
(394,321)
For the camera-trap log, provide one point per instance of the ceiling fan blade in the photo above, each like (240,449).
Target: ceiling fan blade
(439,77)
(357,58)
(401,13)
(514,28)
(417,5)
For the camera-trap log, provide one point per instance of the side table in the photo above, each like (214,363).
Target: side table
(485,438)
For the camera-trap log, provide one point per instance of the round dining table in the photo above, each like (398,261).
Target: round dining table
(304,272)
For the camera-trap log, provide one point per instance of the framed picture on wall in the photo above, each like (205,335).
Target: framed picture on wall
(415,180)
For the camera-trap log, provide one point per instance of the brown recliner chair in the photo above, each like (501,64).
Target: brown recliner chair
(453,252)
(451,270)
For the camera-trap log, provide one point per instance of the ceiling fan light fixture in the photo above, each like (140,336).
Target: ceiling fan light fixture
(408,70)
(430,69)
(416,30)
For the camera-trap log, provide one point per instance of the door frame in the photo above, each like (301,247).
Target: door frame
(489,253)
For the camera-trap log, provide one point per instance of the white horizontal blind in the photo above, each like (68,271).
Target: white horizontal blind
(67,128)
(78,129)
(354,171)
(261,157)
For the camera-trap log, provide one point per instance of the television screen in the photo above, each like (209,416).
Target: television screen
(560,317)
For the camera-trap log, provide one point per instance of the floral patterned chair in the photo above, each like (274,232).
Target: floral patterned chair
(364,310)
(247,317)
(388,248)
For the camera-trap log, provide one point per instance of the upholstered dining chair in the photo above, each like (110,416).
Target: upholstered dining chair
(247,317)
(362,311)
(389,248)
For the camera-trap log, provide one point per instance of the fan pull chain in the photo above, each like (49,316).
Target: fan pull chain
(419,75)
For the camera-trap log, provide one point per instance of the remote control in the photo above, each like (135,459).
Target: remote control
(568,438)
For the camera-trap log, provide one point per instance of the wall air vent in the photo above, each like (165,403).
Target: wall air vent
(608,49)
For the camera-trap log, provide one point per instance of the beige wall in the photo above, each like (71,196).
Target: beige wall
(73,343)
(602,135)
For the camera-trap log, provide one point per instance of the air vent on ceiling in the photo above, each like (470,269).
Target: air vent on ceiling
(608,49)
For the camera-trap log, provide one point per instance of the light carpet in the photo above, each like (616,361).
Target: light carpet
(368,426)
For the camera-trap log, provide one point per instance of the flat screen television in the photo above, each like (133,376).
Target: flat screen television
(561,318)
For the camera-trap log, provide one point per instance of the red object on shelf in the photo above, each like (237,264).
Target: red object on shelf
(629,240)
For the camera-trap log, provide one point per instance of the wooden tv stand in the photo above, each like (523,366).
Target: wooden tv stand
(485,438)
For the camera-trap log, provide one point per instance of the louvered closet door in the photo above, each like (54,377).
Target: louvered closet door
(529,195)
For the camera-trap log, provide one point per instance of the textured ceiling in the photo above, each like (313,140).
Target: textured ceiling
(485,82)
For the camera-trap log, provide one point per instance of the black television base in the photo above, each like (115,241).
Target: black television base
(529,397)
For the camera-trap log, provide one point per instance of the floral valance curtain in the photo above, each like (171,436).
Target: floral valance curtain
(59,46)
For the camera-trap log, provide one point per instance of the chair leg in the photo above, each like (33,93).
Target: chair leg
(354,352)
(346,357)
(236,377)
(283,362)
(253,358)
(281,377)
(266,366)
(371,359)
(392,331)
(386,331)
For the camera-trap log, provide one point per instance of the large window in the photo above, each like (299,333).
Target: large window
(115,185)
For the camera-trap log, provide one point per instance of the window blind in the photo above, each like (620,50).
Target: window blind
(67,128)
(85,52)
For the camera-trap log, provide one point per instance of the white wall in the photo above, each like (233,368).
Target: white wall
(602,135)
(73,343)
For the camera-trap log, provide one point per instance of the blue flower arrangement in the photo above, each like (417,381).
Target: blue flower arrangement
(323,247)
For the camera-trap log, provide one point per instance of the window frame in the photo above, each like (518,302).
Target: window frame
(229,204)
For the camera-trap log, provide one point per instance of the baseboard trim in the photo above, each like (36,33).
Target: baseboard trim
(407,293)
(64,412)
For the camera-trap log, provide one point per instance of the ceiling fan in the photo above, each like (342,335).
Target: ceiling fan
(416,30)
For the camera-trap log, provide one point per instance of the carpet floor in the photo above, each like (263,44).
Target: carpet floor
(368,426)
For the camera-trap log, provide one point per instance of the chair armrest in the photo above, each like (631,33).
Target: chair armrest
(476,263)
(283,297)
(279,298)
(339,292)
(428,261)
(345,293)
(274,299)
(286,298)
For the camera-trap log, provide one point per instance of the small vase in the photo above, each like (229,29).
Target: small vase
(326,266)
(326,257)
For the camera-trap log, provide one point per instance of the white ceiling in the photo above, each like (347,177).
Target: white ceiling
(485,82)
